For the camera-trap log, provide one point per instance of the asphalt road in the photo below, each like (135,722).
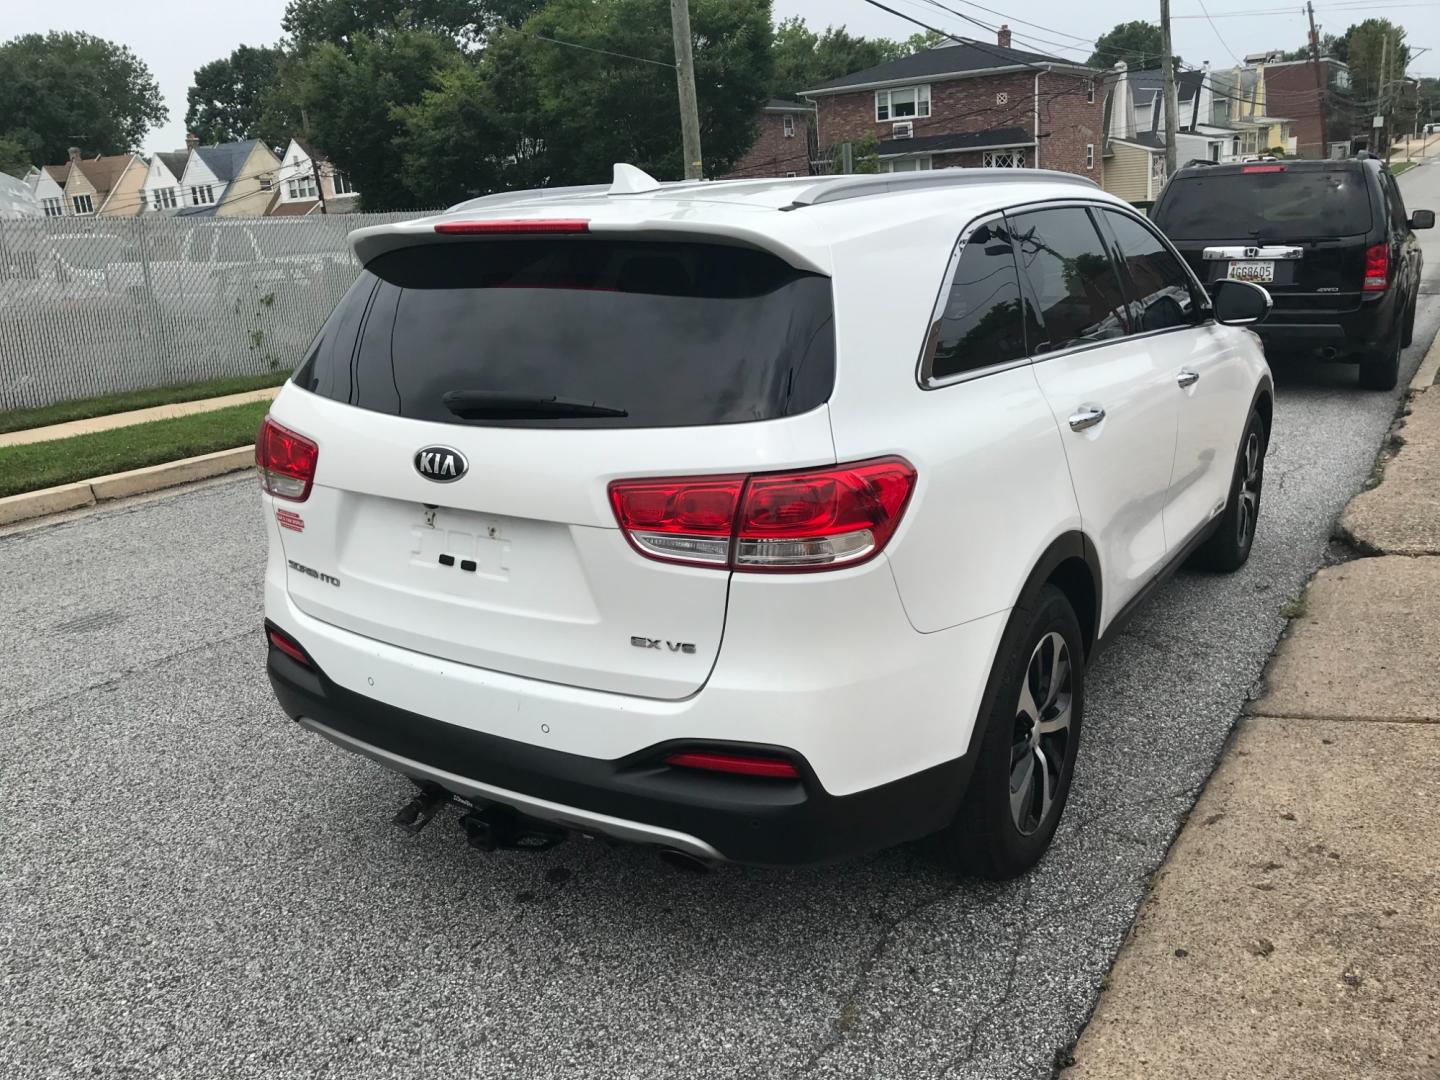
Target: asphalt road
(192,886)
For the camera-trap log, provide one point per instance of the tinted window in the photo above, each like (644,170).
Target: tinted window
(1159,289)
(1295,204)
(655,334)
(1072,276)
(1398,218)
(983,320)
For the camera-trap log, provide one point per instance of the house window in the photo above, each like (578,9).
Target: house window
(789,174)
(267,182)
(201,194)
(342,183)
(164,198)
(1089,91)
(789,125)
(1089,156)
(898,104)
(912,164)
(53,207)
(144,201)
(302,187)
(83,204)
(1004,159)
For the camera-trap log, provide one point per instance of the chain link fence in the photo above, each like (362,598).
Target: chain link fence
(104,305)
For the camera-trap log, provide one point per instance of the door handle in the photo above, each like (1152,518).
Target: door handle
(1187,378)
(1087,416)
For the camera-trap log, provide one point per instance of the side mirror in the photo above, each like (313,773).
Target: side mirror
(1422,219)
(1239,303)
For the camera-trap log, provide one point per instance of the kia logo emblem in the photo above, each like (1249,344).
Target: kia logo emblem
(443,464)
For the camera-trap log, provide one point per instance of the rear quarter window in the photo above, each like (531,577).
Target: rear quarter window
(654,334)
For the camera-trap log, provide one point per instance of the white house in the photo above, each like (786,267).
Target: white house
(162,187)
(48,184)
(199,186)
(298,192)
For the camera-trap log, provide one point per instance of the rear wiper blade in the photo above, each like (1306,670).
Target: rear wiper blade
(502,405)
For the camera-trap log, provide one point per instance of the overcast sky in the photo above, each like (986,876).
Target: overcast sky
(176,42)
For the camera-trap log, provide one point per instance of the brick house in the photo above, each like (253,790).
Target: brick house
(1294,93)
(969,103)
(783,146)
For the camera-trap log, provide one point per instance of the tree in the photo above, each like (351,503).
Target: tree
(314,22)
(1366,44)
(65,89)
(357,102)
(228,99)
(804,59)
(583,111)
(454,138)
(14,158)
(1136,42)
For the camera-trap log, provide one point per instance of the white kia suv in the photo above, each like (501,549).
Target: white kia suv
(759,520)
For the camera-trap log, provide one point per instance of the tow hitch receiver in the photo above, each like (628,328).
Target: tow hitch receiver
(492,827)
(418,812)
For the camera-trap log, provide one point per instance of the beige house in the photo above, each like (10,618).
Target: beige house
(236,179)
(107,186)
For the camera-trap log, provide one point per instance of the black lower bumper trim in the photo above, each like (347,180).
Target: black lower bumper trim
(765,822)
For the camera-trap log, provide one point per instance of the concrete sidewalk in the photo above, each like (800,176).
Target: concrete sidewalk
(1294,928)
(138,416)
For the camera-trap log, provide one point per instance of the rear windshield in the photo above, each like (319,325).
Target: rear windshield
(1291,205)
(578,332)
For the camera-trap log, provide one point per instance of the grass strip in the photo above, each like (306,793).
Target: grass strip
(84,408)
(84,457)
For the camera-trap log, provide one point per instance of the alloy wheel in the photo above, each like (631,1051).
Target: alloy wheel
(1040,743)
(1249,502)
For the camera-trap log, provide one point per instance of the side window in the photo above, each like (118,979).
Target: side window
(1398,217)
(1160,293)
(982,319)
(1070,272)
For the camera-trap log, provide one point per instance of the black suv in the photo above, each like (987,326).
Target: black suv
(1329,239)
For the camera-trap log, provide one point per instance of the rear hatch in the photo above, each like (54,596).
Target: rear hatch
(473,399)
(1300,231)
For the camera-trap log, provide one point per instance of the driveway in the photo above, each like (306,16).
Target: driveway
(191,886)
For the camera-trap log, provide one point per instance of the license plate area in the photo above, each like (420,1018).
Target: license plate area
(1260,271)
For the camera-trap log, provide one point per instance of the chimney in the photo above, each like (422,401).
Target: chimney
(1002,36)
(191,142)
(74,153)
(1122,105)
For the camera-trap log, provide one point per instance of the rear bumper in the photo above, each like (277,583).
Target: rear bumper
(1350,333)
(636,798)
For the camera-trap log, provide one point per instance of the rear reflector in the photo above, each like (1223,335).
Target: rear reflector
(286,461)
(1263,168)
(739,764)
(815,519)
(1377,267)
(512,226)
(288,646)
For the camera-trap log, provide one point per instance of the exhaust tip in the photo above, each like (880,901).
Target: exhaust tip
(682,860)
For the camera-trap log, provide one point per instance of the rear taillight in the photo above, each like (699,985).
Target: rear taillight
(1377,267)
(511,226)
(774,768)
(289,646)
(286,461)
(815,519)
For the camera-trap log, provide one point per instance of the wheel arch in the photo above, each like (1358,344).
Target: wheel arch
(1072,564)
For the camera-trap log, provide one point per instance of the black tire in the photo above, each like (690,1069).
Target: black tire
(1229,545)
(997,834)
(1381,371)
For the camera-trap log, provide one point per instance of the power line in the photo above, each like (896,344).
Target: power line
(592,49)
(1216,30)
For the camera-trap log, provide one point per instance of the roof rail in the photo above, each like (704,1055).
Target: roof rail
(1198,161)
(859,185)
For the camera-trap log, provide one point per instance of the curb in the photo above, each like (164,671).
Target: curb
(34,504)
(1429,367)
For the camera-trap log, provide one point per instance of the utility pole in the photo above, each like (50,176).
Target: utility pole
(1321,89)
(1171,105)
(1380,94)
(685,77)
(319,189)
